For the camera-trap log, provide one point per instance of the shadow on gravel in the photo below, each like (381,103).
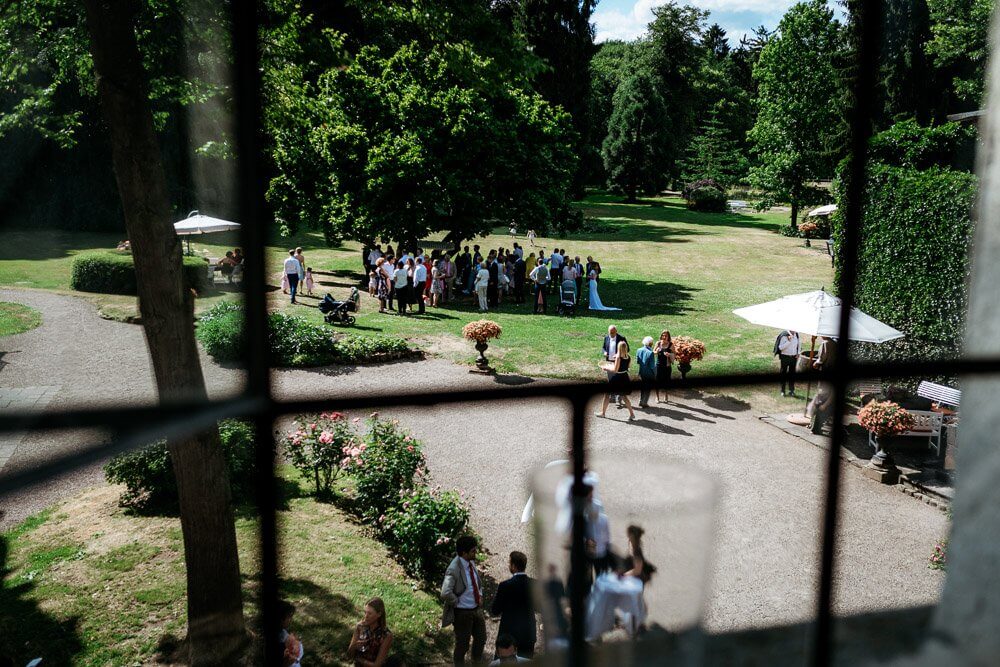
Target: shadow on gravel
(675,414)
(659,427)
(707,413)
(512,380)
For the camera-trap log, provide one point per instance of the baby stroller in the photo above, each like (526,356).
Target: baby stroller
(567,298)
(338,312)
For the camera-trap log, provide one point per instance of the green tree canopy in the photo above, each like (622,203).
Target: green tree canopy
(638,136)
(794,138)
(422,139)
(960,45)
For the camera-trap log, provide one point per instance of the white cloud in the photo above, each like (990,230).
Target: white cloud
(630,23)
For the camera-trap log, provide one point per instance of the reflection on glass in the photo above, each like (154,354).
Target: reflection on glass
(649,536)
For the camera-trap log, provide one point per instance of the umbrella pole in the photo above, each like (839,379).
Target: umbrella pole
(812,349)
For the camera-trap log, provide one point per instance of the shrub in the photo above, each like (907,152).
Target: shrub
(294,341)
(707,199)
(384,470)
(939,559)
(148,473)
(320,446)
(114,273)
(422,528)
(689,189)
(913,257)
(220,330)
(909,144)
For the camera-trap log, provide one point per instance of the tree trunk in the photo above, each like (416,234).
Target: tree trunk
(795,213)
(216,630)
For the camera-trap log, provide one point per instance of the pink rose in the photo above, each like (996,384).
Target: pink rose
(409,448)
(326,437)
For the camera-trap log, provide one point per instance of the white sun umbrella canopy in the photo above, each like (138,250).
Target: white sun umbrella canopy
(196,223)
(822,210)
(817,314)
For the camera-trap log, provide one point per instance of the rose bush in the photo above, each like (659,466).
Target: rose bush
(383,467)
(421,530)
(320,447)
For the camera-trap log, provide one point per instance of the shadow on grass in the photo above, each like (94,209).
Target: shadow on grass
(26,631)
(636,221)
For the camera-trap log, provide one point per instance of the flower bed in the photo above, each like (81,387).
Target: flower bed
(391,492)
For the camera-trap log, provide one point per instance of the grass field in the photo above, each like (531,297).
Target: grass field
(665,266)
(16,318)
(88,584)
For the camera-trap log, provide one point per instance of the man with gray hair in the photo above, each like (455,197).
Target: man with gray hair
(646,359)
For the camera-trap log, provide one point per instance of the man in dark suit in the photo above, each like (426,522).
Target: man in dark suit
(610,351)
(493,286)
(514,606)
(519,269)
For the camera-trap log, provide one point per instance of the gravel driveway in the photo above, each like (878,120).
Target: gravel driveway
(766,546)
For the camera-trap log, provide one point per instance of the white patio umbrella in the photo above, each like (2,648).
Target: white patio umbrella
(817,314)
(196,223)
(822,210)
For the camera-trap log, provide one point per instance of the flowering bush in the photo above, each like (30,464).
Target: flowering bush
(320,446)
(422,528)
(884,418)
(383,467)
(939,559)
(481,330)
(687,349)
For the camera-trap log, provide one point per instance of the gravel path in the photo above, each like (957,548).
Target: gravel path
(766,546)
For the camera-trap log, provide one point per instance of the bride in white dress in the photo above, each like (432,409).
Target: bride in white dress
(620,591)
(594,300)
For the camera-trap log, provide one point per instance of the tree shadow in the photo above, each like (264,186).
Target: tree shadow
(635,221)
(26,631)
(725,403)
(435,315)
(24,244)
(642,298)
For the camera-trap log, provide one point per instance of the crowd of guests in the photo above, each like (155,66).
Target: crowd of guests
(415,280)
(655,361)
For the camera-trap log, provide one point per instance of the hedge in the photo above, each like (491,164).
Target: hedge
(112,272)
(913,258)
(148,474)
(294,341)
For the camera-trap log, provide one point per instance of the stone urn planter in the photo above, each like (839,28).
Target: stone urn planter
(482,331)
(686,350)
(883,419)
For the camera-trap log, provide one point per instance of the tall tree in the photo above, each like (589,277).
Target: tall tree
(715,154)
(607,69)
(216,630)
(715,41)
(907,80)
(676,53)
(960,45)
(799,113)
(560,32)
(423,139)
(637,137)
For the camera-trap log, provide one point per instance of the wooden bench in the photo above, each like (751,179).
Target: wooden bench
(926,424)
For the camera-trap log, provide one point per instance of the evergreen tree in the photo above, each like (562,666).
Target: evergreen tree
(714,154)
(638,132)
(960,45)
(715,41)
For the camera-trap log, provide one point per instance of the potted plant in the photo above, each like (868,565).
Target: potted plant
(883,419)
(686,350)
(482,331)
(809,231)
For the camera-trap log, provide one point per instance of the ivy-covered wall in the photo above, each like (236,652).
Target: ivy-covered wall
(913,260)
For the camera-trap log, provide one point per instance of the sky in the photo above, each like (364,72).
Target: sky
(627,19)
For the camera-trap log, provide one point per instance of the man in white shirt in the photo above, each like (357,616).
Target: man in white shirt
(294,272)
(374,255)
(401,281)
(555,266)
(787,347)
(419,283)
(461,592)
(519,251)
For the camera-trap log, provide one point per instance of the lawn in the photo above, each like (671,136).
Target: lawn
(88,584)
(667,267)
(16,318)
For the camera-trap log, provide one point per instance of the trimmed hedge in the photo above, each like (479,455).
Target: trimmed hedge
(707,199)
(112,272)
(294,341)
(913,259)
(148,474)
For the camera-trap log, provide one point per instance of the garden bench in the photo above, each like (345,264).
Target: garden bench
(926,424)
(866,388)
(737,205)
